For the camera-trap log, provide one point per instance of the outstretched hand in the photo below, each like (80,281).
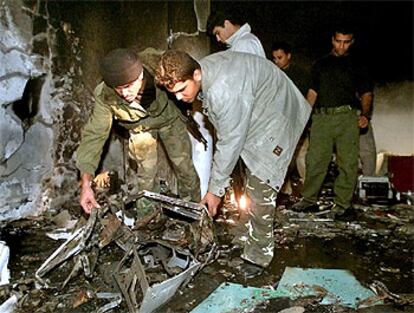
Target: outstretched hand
(87,199)
(212,202)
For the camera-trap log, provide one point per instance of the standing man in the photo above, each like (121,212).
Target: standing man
(339,85)
(235,33)
(228,30)
(259,116)
(282,57)
(129,96)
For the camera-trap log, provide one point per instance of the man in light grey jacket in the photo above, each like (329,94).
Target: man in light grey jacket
(259,115)
(229,29)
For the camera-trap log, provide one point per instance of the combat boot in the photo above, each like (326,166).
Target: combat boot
(304,205)
(251,270)
(340,213)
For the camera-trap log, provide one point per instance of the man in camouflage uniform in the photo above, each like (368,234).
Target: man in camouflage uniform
(129,96)
(258,115)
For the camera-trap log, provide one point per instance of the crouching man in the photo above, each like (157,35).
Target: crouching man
(129,96)
(258,115)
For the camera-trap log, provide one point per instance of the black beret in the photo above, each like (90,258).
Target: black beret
(120,67)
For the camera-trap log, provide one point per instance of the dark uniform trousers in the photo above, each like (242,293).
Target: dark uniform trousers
(333,128)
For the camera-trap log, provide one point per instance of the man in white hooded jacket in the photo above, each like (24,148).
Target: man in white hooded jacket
(230,30)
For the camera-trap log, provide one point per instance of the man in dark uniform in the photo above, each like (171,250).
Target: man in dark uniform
(282,57)
(339,85)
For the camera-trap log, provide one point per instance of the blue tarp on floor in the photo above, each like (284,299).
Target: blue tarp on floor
(333,285)
(339,286)
(229,297)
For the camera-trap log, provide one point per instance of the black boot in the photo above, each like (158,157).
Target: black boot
(305,205)
(251,270)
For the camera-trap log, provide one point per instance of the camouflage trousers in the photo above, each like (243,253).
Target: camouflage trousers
(177,145)
(260,243)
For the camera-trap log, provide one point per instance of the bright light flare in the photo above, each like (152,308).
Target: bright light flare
(243,202)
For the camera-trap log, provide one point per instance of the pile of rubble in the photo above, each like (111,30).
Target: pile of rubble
(136,268)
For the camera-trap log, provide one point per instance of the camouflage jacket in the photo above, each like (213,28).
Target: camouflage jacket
(109,107)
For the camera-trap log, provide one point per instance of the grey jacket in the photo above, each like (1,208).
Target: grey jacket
(258,114)
(244,41)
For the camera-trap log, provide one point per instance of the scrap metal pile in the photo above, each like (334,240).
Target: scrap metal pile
(160,254)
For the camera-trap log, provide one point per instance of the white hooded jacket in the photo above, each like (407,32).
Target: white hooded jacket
(244,41)
(258,114)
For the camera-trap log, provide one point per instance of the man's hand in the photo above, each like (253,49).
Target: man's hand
(366,105)
(212,201)
(87,196)
(363,121)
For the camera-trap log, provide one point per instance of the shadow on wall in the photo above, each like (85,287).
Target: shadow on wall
(393,119)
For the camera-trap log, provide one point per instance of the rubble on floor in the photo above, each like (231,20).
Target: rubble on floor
(140,268)
(120,268)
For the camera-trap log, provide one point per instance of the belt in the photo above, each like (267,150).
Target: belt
(334,110)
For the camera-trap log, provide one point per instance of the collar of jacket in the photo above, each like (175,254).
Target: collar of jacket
(245,29)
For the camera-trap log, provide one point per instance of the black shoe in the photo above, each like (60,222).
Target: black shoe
(338,210)
(341,213)
(305,205)
(251,270)
(349,215)
(283,199)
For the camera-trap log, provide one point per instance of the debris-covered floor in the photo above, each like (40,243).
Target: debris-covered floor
(375,245)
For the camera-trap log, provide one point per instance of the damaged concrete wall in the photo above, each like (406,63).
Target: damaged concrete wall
(27,113)
(50,52)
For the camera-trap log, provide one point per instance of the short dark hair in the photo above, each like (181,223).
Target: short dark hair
(282,45)
(343,28)
(175,66)
(217,18)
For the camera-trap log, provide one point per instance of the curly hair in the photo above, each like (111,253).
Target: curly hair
(175,66)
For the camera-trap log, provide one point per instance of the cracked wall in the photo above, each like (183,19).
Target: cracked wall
(27,113)
(50,51)
(393,118)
